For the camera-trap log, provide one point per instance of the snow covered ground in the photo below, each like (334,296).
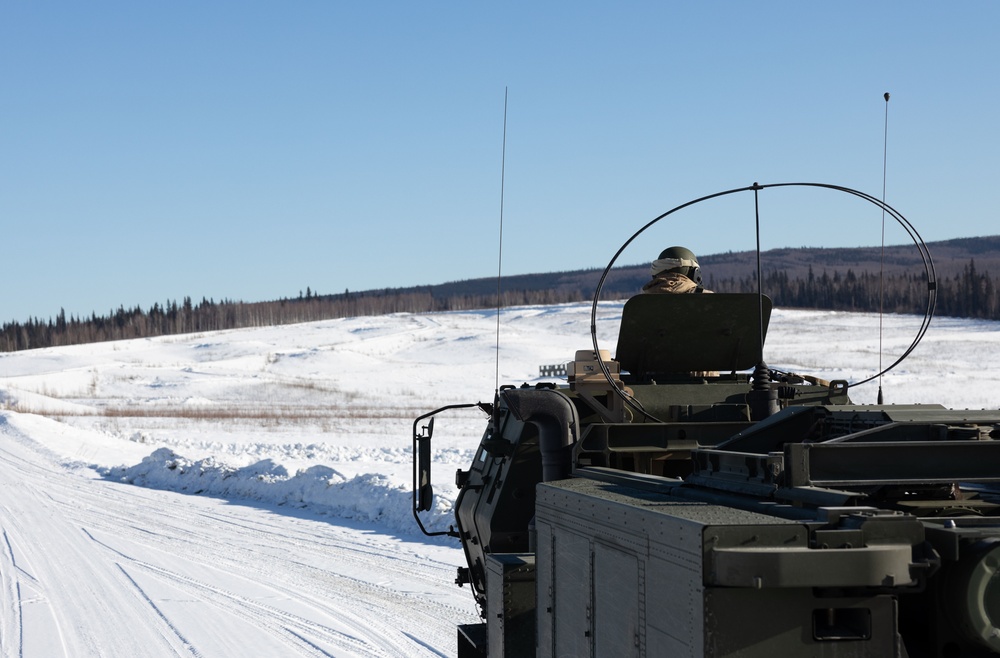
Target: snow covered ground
(248,492)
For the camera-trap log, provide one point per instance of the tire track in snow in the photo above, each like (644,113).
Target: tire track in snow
(152,604)
(303,585)
(300,633)
(321,560)
(80,600)
(11,626)
(301,574)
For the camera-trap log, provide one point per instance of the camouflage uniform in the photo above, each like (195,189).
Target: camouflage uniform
(673,283)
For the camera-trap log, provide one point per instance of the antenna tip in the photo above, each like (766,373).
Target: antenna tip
(886,97)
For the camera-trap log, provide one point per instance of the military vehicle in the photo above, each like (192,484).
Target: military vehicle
(683,499)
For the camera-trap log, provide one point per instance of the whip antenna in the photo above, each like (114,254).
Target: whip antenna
(881,266)
(760,293)
(762,398)
(503,166)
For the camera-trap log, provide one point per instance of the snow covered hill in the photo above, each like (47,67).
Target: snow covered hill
(249,491)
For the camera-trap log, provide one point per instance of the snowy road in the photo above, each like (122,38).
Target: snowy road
(91,567)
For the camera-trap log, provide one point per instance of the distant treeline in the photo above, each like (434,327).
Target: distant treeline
(208,315)
(968,293)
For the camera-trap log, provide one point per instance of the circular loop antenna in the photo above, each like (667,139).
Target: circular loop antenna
(887,209)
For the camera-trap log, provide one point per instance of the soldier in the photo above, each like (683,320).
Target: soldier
(675,271)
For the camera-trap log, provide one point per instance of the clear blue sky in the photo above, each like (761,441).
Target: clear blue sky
(247,150)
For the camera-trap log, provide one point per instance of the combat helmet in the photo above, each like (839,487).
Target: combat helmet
(678,259)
